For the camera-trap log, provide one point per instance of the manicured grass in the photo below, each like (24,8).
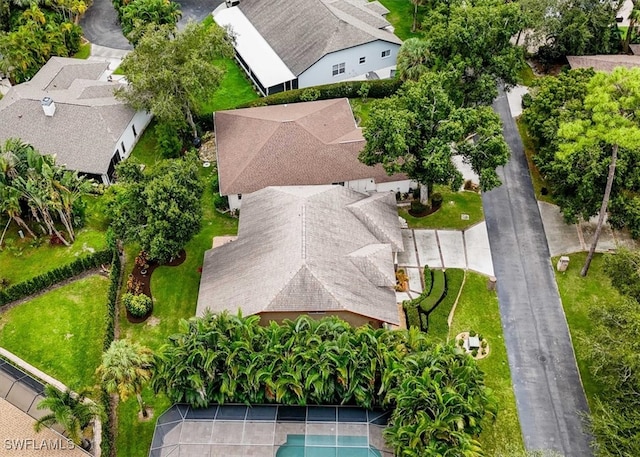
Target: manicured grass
(478,310)
(454,204)
(60,332)
(536,178)
(579,295)
(401,17)
(144,151)
(234,90)
(118,71)
(22,259)
(526,76)
(360,109)
(84,52)
(438,325)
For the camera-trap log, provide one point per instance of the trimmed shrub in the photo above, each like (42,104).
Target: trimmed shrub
(411,311)
(437,293)
(169,141)
(379,88)
(137,305)
(436,200)
(418,209)
(428,280)
(56,275)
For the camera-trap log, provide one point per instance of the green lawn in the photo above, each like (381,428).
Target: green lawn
(401,17)
(60,332)
(536,178)
(84,52)
(478,310)
(438,325)
(234,90)
(360,109)
(578,296)
(526,76)
(454,204)
(21,259)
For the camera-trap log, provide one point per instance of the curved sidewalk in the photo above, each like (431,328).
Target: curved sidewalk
(546,381)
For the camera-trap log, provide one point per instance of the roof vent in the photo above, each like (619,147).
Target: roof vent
(48,106)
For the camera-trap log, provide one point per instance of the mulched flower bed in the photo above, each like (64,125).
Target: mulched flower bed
(145,280)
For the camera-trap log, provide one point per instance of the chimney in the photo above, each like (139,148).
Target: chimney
(48,106)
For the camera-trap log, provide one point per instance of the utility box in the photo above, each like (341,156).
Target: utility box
(563,263)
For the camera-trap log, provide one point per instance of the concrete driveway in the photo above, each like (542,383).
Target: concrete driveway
(101,27)
(467,249)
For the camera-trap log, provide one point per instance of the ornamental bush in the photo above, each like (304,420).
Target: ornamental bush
(137,305)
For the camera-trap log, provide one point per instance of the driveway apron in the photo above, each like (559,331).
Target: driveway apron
(547,385)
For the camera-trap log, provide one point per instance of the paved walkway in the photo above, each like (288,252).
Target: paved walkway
(547,385)
(468,249)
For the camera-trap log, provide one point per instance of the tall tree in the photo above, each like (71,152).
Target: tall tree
(419,131)
(607,126)
(414,59)
(160,210)
(472,40)
(125,369)
(170,73)
(72,412)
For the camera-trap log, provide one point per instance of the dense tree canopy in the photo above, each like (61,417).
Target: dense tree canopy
(135,16)
(161,209)
(36,34)
(170,73)
(419,130)
(470,41)
(438,392)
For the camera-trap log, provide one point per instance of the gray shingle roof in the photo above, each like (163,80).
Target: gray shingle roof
(304,31)
(295,144)
(302,249)
(603,62)
(88,120)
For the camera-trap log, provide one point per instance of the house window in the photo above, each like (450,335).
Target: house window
(338,69)
(386,53)
(362,60)
(124,150)
(239,196)
(133,127)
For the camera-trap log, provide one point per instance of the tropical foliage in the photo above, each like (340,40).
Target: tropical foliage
(36,33)
(160,210)
(225,358)
(52,194)
(73,412)
(136,15)
(125,369)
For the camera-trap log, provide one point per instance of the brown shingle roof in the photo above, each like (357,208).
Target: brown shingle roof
(604,63)
(286,145)
(303,249)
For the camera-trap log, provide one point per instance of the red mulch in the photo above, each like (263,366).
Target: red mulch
(145,280)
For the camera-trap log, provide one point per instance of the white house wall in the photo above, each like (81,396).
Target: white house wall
(397,186)
(234,201)
(140,120)
(321,71)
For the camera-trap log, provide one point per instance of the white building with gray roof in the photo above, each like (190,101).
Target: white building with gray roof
(316,250)
(68,110)
(286,45)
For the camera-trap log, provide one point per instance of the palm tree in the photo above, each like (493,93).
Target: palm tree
(413,59)
(71,411)
(10,205)
(126,367)
(416,4)
(634,21)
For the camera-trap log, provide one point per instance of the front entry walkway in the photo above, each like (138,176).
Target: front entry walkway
(468,249)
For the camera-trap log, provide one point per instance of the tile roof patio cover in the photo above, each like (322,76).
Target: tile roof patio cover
(265,64)
(270,431)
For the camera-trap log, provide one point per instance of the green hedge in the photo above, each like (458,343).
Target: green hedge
(56,275)
(411,311)
(378,88)
(428,280)
(437,293)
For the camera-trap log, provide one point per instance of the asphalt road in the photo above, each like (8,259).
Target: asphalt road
(548,390)
(100,23)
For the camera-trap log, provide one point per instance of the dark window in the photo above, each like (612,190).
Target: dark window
(363,60)
(338,69)
(239,196)
(124,150)
(386,53)
(133,127)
